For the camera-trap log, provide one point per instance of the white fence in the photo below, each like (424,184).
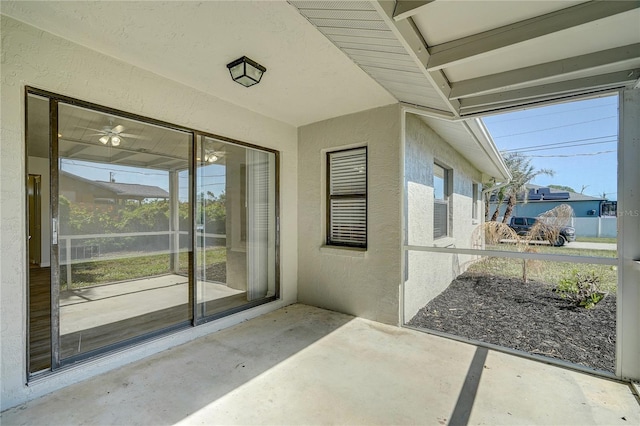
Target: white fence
(606,226)
(600,227)
(92,252)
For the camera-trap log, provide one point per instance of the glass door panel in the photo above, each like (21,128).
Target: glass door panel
(124,237)
(39,238)
(235,226)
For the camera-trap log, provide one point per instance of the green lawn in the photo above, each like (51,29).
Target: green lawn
(133,267)
(596,240)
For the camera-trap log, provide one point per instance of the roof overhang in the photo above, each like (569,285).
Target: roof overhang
(454,61)
(466,59)
(471,139)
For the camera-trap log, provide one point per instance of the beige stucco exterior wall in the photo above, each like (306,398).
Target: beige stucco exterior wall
(428,274)
(40,59)
(367,283)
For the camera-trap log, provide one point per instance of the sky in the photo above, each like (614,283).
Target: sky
(577,140)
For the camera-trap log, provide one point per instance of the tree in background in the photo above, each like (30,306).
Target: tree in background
(522,172)
(562,188)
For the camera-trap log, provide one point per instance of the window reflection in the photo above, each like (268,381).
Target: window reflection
(124,229)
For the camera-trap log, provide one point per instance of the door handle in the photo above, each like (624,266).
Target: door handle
(54,231)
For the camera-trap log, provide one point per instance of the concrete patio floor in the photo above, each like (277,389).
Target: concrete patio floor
(304,365)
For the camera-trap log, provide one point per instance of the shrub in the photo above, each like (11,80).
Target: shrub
(582,287)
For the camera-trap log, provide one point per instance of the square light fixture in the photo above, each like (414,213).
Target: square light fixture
(246,71)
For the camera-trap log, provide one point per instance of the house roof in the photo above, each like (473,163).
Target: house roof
(572,196)
(122,190)
(133,190)
(543,194)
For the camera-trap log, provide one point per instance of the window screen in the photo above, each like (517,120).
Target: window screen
(347,198)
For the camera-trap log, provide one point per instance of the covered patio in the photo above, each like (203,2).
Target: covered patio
(302,330)
(305,365)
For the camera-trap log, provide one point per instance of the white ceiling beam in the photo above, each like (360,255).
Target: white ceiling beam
(121,156)
(549,91)
(496,82)
(414,44)
(73,151)
(481,112)
(464,49)
(158,161)
(407,8)
(427,112)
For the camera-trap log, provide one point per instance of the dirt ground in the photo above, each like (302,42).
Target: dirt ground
(525,316)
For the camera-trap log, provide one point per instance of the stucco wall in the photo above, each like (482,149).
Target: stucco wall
(358,283)
(36,58)
(428,274)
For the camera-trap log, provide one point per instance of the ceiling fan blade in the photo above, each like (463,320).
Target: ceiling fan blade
(102,131)
(118,129)
(131,136)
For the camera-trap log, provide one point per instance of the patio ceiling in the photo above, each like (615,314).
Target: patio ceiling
(460,59)
(307,78)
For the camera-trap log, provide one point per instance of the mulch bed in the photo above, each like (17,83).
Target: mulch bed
(525,316)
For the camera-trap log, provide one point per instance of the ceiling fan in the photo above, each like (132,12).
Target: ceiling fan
(211,156)
(113,135)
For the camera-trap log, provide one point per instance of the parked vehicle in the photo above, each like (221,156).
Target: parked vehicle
(556,235)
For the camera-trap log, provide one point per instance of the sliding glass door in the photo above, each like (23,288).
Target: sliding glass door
(146,228)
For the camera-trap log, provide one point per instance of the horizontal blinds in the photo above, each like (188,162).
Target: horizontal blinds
(440,215)
(349,221)
(348,172)
(347,196)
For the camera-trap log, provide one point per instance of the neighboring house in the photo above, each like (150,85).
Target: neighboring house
(540,199)
(78,189)
(592,216)
(352,172)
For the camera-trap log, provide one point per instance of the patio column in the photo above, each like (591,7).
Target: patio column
(628,333)
(174,222)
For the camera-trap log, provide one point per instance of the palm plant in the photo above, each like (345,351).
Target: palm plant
(522,173)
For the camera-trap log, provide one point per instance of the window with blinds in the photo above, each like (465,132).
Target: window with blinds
(440,202)
(347,198)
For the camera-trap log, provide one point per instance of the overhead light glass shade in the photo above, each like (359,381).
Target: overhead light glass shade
(115,140)
(246,71)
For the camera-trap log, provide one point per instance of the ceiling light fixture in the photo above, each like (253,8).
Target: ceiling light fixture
(114,139)
(246,71)
(212,156)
